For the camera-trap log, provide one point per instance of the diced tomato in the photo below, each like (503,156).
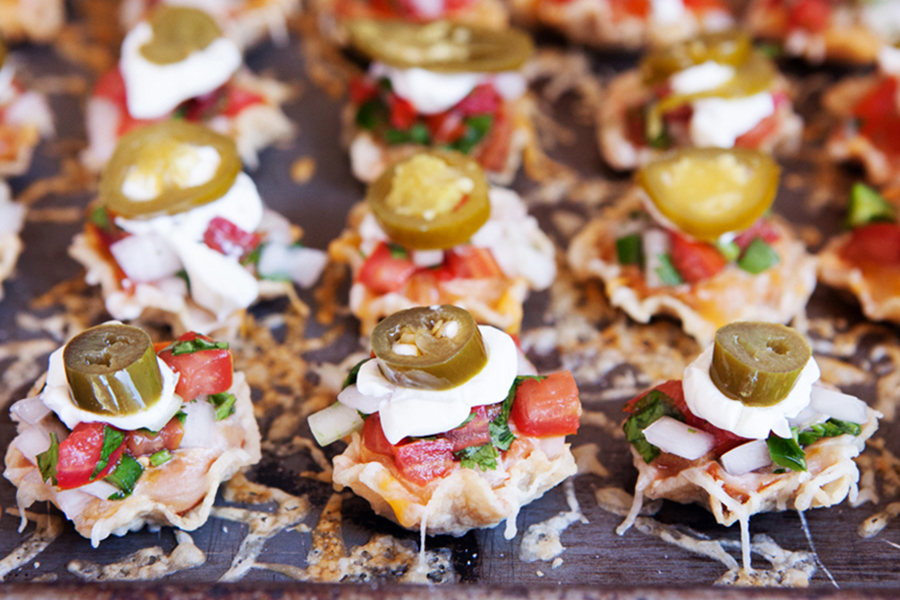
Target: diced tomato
(111,86)
(483,100)
(630,8)
(812,15)
(79,454)
(237,99)
(144,443)
(445,127)
(548,407)
(701,6)
(205,106)
(475,432)
(224,236)
(494,151)
(201,373)
(423,461)
(695,260)
(878,116)
(403,113)
(471,262)
(761,229)
(874,243)
(454,5)
(672,388)
(382,273)
(373,436)
(362,90)
(761,132)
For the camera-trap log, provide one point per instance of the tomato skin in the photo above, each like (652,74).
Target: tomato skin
(812,15)
(701,6)
(878,116)
(373,436)
(140,443)
(362,90)
(237,99)
(695,260)
(476,431)
(471,262)
(79,454)
(422,461)
(201,373)
(382,273)
(445,127)
(494,151)
(874,243)
(483,100)
(630,8)
(224,236)
(547,408)
(403,113)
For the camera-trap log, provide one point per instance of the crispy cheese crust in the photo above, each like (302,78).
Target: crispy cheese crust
(179,492)
(777,294)
(628,92)
(464,500)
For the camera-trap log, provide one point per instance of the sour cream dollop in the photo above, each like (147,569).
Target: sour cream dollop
(754,422)
(57,396)
(406,412)
(154,90)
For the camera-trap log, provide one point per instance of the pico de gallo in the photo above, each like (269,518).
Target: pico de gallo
(642,9)
(437,355)
(874,232)
(118,453)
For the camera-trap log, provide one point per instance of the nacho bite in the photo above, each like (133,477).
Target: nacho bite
(696,240)
(432,231)
(748,430)
(449,429)
(180,235)
(123,435)
(25,118)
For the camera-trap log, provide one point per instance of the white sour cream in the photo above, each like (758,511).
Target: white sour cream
(667,11)
(431,93)
(406,412)
(700,78)
(754,422)
(154,90)
(57,396)
(882,17)
(888,60)
(719,122)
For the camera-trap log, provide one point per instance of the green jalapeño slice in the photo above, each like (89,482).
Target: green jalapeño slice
(707,192)
(432,201)
(758,363)
(178,31)
(429,348)
(154,170)
(440,46)
(728,48)
(3,53)
(112,370)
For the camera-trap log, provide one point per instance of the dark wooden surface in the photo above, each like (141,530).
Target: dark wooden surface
(596,564)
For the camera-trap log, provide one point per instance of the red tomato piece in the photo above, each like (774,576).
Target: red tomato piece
(423,461)
(203,107)
(695,260)
(79,454)
(201,373)
(224,236)
(142,443)
(878,116)
(701,6)
(471,262)
(373,436)
(812,15)
(445,127)
(454,5)
(494,152)
(761,229)
(237,99)
(475,432)
(382,273)
(874,243)
(630,8)
(548,407)
(111,86)
(483,100)
(403,113)
(362,90)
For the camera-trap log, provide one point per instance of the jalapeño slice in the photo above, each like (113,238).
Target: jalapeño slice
(432,201)
(177,32)
(3,52)
(440,46)
(429,347)
(112,370)
(707,192)
(758,363)
(730,48)
(162,156)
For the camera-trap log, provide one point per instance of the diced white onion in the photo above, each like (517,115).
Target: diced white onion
(747,457)
(332,423)
(301,265)
(656,244)
(99,489)
(73,502)
(427,258)
(199,426)
(145,257)
(31,442)
(275,228)
(30,410)
(838,405)
(675,437)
